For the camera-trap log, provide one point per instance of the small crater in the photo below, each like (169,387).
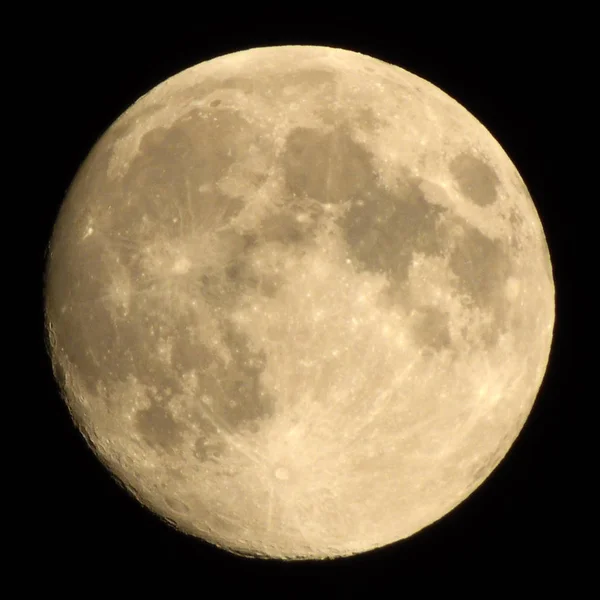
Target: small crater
(475,179)
(366,119)
(485,466)
(241,275)
(282,474)
(215,103)
(181,265)
(208,448)
(177,505)
(59,371)
(223,525)
(270,285)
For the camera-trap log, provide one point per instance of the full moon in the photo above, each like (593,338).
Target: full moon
(299,302)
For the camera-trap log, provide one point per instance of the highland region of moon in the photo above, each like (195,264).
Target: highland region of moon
(299,301)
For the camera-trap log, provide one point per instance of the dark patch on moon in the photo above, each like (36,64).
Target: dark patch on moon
(93,348)
(158,427)
(171,182)
(383,229)
(201,144)
(165,147)
(483,266)
(475,179)
(230,393)
(329,167)
(430,327)
(366,119)
(285,228)
(235,275)
(243,277)
(167,193)
(248,86)
(294,224)
(128,124)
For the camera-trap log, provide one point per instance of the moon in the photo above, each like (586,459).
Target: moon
(299,302)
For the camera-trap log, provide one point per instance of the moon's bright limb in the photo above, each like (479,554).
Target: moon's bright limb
(299,301)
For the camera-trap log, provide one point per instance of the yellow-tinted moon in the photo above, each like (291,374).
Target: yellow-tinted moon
(299,301)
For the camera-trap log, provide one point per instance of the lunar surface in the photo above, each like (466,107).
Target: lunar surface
(299,301)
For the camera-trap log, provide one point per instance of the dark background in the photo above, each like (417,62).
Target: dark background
(523,524)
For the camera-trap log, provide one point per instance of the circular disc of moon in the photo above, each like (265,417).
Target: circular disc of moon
(299,301)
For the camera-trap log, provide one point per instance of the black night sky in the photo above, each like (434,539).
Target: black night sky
(520,525)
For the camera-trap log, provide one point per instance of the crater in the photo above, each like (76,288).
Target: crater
(475,179)
(485,465)
(209,448)
(282,474)
(177,505)
(243,277)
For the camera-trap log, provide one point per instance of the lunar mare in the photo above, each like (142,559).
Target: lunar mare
(299,301)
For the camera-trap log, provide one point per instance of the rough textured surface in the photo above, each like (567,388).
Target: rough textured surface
(299,301)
